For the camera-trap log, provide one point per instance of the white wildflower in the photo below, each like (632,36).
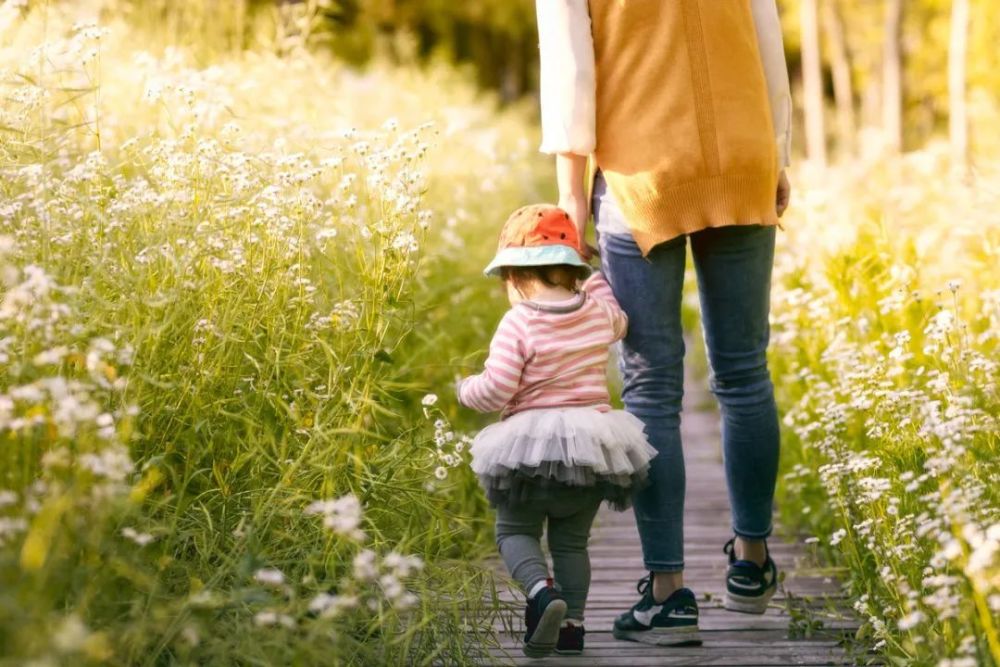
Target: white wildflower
(342,515)
(402,565)
(391,586)
(365,568)
(11,526)
(142,539)
(269,576)
(328,605)
(269,618)
(912,620)
(71,634)
(7,497)
(405,601)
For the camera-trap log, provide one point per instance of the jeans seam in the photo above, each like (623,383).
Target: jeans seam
(661,566)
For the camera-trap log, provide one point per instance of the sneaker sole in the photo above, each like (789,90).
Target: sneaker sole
(682,636)
(544,639)
(745,604)
(569,652)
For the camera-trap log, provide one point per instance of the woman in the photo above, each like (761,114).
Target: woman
(684,107)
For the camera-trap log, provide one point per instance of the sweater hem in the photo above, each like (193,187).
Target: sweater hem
(658,214)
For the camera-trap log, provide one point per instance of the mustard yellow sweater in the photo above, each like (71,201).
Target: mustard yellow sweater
(684,134)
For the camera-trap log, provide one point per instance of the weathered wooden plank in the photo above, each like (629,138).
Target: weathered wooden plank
(702,582)
(633,655)
(717,619)
(735,638)
(760,640)
(779,603)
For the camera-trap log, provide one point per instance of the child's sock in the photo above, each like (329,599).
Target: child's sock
(537,587)
(572,622)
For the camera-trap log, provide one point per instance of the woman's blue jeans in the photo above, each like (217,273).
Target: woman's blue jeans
(733,266)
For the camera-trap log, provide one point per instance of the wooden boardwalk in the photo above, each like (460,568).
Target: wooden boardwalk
(728,638)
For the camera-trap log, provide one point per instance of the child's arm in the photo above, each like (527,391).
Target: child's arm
(492,389)
(600,290)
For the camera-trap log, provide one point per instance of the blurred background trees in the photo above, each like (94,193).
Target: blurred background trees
(889,75)
(871,76)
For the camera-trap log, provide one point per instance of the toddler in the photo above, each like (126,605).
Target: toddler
(559,449)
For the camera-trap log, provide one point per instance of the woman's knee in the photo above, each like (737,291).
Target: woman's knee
(653,388)
(750,385)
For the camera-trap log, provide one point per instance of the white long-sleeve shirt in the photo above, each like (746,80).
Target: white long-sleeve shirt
(568,78)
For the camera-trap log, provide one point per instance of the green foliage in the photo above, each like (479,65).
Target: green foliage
(225,291)
(886,356)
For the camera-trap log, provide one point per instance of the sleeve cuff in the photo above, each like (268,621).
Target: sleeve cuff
(583,150)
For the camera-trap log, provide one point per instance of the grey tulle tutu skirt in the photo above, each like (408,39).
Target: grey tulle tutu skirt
(528,456)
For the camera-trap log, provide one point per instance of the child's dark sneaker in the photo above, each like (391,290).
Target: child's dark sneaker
(673,622)
(749,587)
(543,616)
(570,639)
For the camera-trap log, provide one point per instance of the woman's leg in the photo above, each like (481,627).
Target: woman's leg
(518,531)
(569,529)
(652,366)
(734,282)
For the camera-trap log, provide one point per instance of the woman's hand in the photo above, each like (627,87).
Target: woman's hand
(578,208)
(570,172)
(783,195)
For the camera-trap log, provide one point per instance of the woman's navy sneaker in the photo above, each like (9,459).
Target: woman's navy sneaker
(543,617)
(673,622)
(749,587)
(570,640)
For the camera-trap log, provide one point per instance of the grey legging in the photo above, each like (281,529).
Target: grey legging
(570,513)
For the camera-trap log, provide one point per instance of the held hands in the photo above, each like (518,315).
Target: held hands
(578,208)
(782,197)
(571,170)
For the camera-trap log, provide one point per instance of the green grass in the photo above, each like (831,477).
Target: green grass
(226,291)
(886,323)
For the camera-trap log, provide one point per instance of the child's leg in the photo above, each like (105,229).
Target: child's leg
(569,529)
(518,531)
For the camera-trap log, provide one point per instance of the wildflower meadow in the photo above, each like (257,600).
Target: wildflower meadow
(236,288)
(887,360)
(220,348)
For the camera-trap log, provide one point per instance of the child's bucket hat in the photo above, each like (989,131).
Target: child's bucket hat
(537,235)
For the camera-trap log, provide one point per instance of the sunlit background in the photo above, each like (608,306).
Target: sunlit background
(240,254)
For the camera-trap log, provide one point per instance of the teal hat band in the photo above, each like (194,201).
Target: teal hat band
(535,256)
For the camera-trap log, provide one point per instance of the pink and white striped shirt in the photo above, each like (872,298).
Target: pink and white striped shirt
(550,354)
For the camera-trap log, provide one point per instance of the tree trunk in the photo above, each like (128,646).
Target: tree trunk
(840,63)
(892,76)
(957,112)
(812,83)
